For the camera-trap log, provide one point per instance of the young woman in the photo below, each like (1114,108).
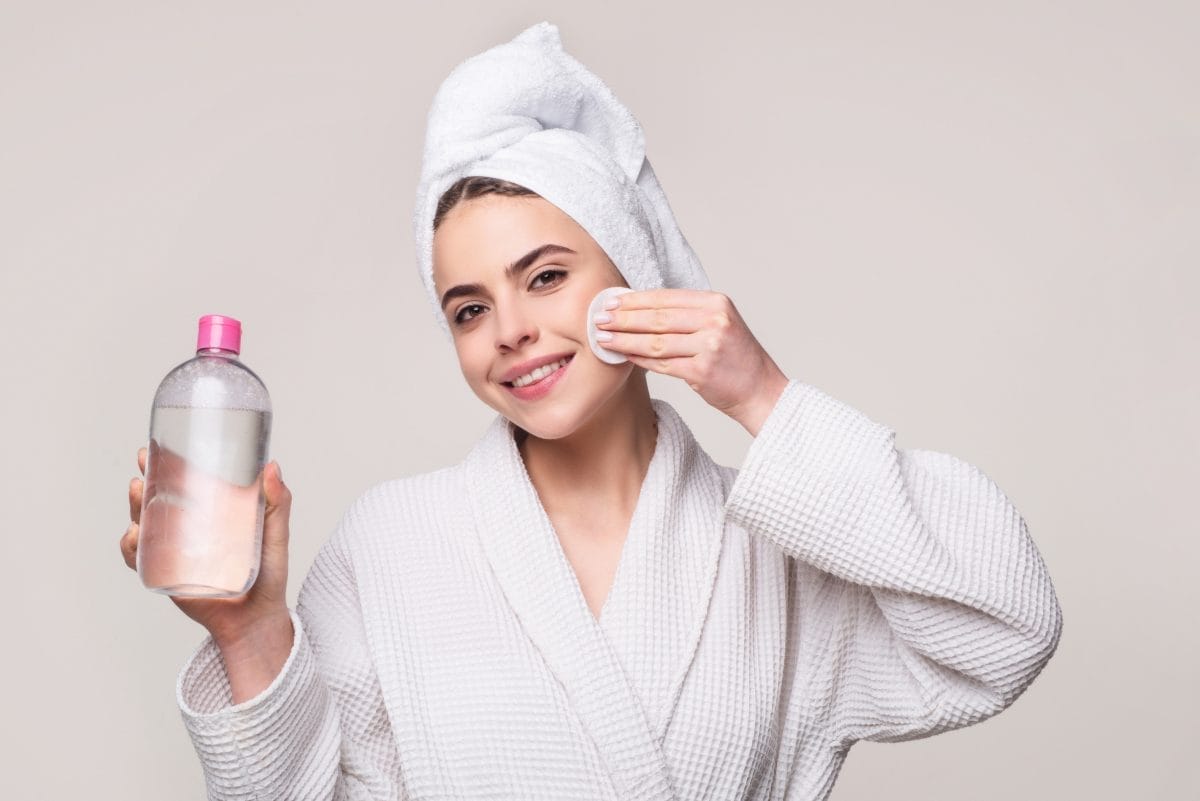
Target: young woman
(587,606)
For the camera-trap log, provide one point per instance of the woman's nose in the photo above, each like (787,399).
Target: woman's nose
(514,328)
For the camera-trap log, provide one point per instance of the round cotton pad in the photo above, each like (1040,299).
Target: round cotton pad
(594,308)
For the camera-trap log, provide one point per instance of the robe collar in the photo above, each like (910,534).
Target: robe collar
(623,673)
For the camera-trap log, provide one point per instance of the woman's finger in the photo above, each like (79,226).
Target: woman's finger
(129,546)
(136,487)
(668,296)
(657,346)
(676,366)
(141,459)
(662,320)
(277,493)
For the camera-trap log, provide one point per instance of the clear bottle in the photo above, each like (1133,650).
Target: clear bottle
(203,499)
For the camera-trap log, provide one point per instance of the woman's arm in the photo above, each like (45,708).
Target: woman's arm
(319,729)
(925,605)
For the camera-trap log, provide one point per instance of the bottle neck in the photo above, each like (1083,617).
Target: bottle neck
(223,352)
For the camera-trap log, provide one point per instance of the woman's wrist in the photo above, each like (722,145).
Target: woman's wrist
(755,413)
(255,657)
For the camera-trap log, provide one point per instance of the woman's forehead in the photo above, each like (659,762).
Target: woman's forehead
(480,238)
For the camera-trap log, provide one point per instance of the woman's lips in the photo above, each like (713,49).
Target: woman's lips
(539,388)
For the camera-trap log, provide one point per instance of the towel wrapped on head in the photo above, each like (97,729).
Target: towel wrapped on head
(527,112)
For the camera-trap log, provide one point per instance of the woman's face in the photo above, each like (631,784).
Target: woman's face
(503,318)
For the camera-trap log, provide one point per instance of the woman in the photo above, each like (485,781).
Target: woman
(587,606)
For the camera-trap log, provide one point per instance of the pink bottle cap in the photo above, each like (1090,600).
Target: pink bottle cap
(219,331)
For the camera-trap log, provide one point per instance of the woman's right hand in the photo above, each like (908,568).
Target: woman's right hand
(261,612)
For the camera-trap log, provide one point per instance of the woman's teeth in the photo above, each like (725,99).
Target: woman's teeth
(539,373)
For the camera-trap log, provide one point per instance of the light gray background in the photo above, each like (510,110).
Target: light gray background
(976,222)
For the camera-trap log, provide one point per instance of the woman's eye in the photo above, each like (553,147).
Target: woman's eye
(551,273)
(463,317)
(458,318)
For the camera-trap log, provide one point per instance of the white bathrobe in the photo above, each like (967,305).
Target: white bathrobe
(761,621)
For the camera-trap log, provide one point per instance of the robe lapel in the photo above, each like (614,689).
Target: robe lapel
(624,714)
(655,613)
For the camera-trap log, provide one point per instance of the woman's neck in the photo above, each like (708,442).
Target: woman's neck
(601,465)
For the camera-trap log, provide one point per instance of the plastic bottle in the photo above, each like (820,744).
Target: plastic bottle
(203,501)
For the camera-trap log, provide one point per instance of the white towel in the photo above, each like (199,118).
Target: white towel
(527,112)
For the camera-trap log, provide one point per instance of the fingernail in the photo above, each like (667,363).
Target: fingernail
(278,471)
(612,303)
(602,317)
(604,336)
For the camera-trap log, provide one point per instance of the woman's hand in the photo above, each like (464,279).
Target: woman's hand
(698,335)
(262,612)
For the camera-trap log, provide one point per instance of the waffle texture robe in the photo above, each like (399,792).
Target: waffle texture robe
(761,621)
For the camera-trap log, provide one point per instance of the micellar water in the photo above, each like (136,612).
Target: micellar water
(203,502)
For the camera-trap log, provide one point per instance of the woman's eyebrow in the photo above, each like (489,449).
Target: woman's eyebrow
(510,272)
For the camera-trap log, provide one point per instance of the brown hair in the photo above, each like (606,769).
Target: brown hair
(474,186)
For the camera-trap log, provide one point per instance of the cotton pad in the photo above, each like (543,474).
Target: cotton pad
(594,308)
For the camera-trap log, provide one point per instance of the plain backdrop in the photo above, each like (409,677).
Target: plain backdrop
(977,222)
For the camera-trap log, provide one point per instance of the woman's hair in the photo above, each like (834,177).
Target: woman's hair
(474,186)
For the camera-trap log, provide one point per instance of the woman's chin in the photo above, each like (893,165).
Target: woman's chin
(545,426)
(557,417)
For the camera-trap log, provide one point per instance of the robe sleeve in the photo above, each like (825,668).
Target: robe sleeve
(924,604)
(320,729)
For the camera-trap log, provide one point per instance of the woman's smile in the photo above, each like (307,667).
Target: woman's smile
(541,382)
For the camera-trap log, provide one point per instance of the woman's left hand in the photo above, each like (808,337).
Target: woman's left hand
(698,335)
